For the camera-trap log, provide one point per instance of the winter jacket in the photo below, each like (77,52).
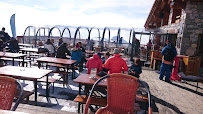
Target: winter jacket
(62,51)
(76,54)
(94,62)
(169,46)
(4,36)
(116,64)
(137,69)
(50,47)
(13,45)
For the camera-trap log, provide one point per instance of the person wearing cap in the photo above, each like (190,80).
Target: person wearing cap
(116,64)
(94,62)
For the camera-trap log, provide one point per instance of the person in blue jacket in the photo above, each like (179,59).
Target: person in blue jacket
(76,54)
(169,53)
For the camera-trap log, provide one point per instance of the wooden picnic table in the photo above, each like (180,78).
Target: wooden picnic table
(12,55)
(24,73)
(66,62)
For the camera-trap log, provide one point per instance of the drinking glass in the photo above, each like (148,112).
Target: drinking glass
(93,72)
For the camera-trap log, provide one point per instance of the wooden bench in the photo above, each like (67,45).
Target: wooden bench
(81,99)
(56,65)
(50,80)
(53,80)
(140,98)
(26,94)
(19,60)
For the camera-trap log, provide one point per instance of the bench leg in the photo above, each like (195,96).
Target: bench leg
(197,86)
(82,108)
(53,88)
(78,107)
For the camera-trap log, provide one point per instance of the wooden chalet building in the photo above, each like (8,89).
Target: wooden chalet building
(183,21)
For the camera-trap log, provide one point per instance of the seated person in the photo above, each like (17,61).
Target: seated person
(106,56)
(49,45)
(62,51)
(94,62)
(76,54)
(136,69)
(60,42)
(13,45)
(2,45)
(116,64)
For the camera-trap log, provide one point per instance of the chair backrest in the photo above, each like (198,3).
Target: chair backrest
(8,87)
(121,92)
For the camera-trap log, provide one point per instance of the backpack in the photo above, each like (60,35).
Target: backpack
(169,55)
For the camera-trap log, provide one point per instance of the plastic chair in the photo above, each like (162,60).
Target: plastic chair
(121,94)
(8,87)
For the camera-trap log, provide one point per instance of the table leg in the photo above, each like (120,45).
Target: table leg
(23,61)
(80,89)
(39,64)
(35,87)
(47,86)
(79,94)
(13,62)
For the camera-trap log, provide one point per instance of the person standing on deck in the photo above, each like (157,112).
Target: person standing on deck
(4,36)
(169,53)
(116,64)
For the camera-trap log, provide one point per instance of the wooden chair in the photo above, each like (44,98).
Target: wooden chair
(121,94)
(8,87)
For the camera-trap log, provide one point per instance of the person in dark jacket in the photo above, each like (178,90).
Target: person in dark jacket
(166,64)
(2,45)
(4,36)
(136,68)
(13,45)
(62,51)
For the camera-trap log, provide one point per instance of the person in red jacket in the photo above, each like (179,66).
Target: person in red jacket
(116,64)
(94,62)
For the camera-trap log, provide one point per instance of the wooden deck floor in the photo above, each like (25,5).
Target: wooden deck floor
(174,98)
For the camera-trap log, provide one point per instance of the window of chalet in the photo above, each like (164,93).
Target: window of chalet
(176,15)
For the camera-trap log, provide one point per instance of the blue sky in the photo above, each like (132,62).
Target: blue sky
(99,13)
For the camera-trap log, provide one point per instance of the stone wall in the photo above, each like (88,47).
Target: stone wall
(193,26)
